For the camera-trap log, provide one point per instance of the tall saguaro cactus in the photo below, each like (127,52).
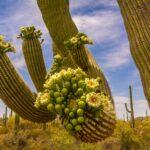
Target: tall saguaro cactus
(136,15)
(131,111)
(97,125)
(57,18)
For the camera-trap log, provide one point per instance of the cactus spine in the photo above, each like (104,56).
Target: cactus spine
(131,111)
(136,18)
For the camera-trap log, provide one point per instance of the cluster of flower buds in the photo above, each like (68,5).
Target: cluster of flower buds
(29,33)
(57,65)
(71,94)
(77,41)
(5,46)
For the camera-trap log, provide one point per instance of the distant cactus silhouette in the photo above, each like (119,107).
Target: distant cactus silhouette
(131,111)
(5,116)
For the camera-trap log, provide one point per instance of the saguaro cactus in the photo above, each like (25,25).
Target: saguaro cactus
(16,94)
(131,110)
(16,122)
(5,116)
(136,15)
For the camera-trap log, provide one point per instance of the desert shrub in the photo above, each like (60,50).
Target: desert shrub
(3,130)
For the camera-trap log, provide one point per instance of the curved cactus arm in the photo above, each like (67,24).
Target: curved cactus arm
(15,93)
(32,52)
(127,109)
(57,18)
(136,15)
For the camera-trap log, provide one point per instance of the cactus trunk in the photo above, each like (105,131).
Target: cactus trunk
(16,122)
(57,18)
(16,95)
(35,63)
(137,22)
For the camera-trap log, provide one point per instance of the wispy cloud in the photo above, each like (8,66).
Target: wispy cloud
(102,25)
(117,57)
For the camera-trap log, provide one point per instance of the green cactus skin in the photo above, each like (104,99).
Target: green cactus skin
(58,11)
(16,94)
(32,52)
(131,111)
(136,18)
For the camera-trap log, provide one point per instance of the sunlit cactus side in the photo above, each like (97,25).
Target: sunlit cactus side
(32,51)
(136,18)
(131,110)
(14,92)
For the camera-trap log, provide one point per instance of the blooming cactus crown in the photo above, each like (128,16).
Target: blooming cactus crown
(71,94)
(5,46)
(77,41)
(29,33)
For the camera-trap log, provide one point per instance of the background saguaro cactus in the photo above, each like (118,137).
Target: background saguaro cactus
(131,110)
(136,15)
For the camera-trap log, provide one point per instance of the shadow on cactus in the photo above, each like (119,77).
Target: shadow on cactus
(73,96)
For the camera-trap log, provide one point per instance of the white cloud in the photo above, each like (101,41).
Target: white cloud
(76,4)
(102,26)
(117,57)
(140,106)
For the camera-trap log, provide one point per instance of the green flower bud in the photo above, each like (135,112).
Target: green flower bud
(67,110)
(74,87)
(80,112)
(67,84)
(57,94)
(64,91)
(79,92)
(50,107)
(83,98)
(73,80)
(71,114)
(78,128)
(74,122)
(81,104)
(69,126)
(58,108)
(51,92)
(80,119)
(81,84)
(59,100)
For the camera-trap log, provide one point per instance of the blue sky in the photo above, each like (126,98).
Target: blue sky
(101,21)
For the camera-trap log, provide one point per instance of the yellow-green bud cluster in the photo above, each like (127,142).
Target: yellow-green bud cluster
(57,65)
(5,46)
(77,41)
(29,33)
(70,94)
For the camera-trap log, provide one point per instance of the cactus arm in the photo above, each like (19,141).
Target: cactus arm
(16,95)
(32,52)
(137,22)
(129,111)
(57,18)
